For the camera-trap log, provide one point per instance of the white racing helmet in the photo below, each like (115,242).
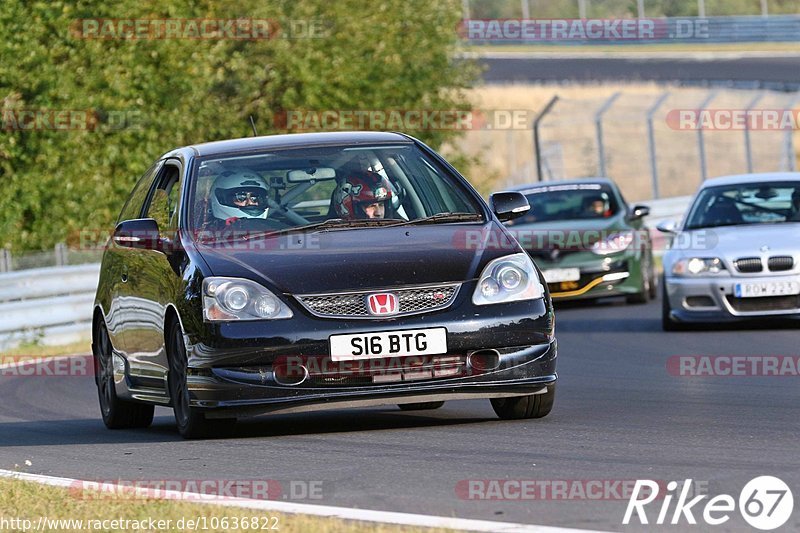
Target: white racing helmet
(239,195)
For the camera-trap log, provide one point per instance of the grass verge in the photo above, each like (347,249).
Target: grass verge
(25,500)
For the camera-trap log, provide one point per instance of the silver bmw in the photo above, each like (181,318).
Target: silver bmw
(736,254)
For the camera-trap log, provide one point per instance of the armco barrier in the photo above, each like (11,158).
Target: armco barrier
(49,306)
(53,306)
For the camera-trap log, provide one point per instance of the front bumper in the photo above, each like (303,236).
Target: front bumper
(713,299)
(521,372)
(601,276)
(234,374)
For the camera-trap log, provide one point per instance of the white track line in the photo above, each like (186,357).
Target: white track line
(343,513)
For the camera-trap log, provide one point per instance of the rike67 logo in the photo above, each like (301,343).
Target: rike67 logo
(766,503)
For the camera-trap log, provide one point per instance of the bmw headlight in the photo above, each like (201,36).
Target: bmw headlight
(616,242)
(697,266)
(508,279)
(240,299)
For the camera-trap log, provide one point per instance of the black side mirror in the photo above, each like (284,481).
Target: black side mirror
(509,205)
(141,233)
(638,212)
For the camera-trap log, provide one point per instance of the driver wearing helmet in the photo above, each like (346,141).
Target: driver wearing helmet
(236,195)
(597,206)
(363,195)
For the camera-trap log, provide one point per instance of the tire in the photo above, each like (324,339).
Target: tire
(192,422)
(667,324)
(420,406)
(520,407)
(648,282)
(116,413)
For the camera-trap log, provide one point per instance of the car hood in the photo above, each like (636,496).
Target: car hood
(734,242)
(362,259)
(566,234)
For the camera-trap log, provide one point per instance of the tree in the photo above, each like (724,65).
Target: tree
(144,97)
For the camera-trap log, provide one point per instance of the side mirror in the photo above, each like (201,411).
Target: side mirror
(638,212)
(141,233)
(668,226)
(509,205)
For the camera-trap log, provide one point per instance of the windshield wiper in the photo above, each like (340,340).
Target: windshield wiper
(342,224)
(325,225)
(443,217)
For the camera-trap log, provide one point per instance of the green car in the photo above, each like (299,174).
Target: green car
(588,242)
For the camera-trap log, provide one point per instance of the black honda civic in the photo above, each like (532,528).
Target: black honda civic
(301,272)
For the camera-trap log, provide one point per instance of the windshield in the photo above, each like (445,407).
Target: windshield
(754,203)
(325,188)
(569,202)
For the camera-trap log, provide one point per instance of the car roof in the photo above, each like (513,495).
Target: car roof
(583,181)
(290,140)
(744,179)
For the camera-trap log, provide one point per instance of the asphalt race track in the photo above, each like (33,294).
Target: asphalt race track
(619,415)
(781,72)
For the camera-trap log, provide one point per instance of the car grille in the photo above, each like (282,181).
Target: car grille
(748,265)
(410,301)
(375,372)
(781,263)
(770,303)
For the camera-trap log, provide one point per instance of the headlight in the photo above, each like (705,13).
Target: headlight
(240,299)
(616,242)
(696,266)
(508,279)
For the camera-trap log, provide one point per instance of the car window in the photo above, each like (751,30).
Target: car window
(163,202)
(133,207)
(758,203)
(569,202)
(292,188)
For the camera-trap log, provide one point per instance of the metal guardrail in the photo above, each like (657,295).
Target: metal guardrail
(47,306)
(53,306)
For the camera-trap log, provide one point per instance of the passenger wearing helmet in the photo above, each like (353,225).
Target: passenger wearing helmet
(363,195)
(795,216)
(236,195)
